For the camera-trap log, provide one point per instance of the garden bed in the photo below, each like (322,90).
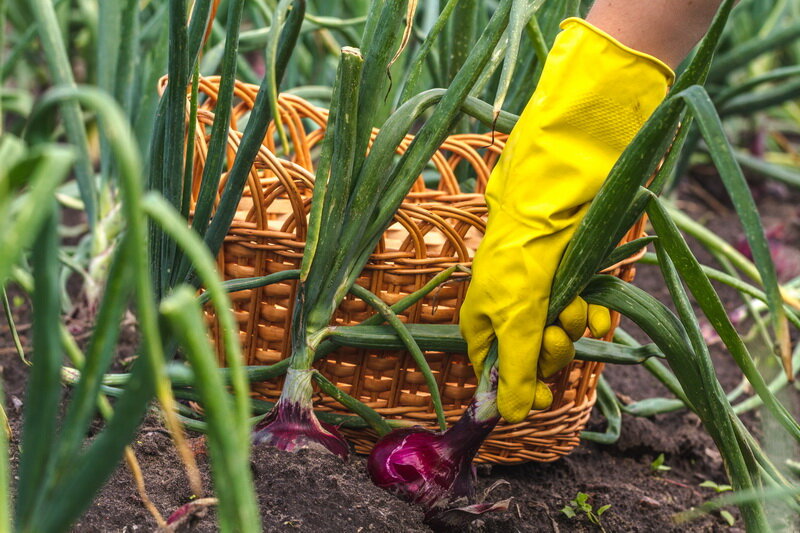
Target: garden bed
(312,492)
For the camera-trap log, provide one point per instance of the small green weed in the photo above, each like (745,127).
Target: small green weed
(658,465)
(727,516)
(716,486)
(581,505)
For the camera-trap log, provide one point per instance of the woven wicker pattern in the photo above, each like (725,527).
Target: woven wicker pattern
(434,229)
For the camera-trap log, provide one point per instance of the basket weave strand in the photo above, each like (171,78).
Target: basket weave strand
(435,228)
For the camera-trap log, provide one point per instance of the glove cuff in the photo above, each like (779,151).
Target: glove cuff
(592,99)
(662,67)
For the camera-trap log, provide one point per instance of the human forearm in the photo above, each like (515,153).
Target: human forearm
(666,29)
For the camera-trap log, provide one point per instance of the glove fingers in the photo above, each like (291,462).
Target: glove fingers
(599,320)
(574,317)
(519,344)
(557,351)
(543,397)
(476,328)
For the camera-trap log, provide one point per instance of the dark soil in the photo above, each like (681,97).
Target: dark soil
(317,493)
(306,491)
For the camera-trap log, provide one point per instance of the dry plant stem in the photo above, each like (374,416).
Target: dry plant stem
(133,465)
(168,408)
(411,9)
(106,411)
(13,328)
(418,62)
(180,521)
(141,488)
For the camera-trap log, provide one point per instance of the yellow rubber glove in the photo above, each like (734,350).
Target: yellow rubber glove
(593,97)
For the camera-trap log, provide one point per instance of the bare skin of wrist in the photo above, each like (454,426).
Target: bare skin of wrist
(666,29)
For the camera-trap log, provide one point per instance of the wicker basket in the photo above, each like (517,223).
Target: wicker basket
(433,230)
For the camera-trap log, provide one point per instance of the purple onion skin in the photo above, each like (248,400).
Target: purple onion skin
(291,427)
(431,469)
(178,514)
(186,517)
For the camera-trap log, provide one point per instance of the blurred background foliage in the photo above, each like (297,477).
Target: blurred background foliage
(107,145)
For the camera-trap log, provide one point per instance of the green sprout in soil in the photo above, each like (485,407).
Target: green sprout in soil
(728,517)
(658,465)
(716,486)
(581,505)
(725,514)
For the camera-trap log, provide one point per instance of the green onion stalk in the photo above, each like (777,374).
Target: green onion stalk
(291,424)
(95,251)
(355,199)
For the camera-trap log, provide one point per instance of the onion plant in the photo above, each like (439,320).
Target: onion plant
(59,471)
(426,67)
(679,338)
(347,186)
(435,470)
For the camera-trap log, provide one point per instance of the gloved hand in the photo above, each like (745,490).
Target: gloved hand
(593,97)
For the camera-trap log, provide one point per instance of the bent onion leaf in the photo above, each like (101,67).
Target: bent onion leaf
(700,286)
(695,372)
(228,445)
(733,179)
(607,401)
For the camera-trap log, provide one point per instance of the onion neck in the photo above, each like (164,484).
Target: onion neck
(297,388)
(468,434)
(479,418)
(309,328)
(483,406)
